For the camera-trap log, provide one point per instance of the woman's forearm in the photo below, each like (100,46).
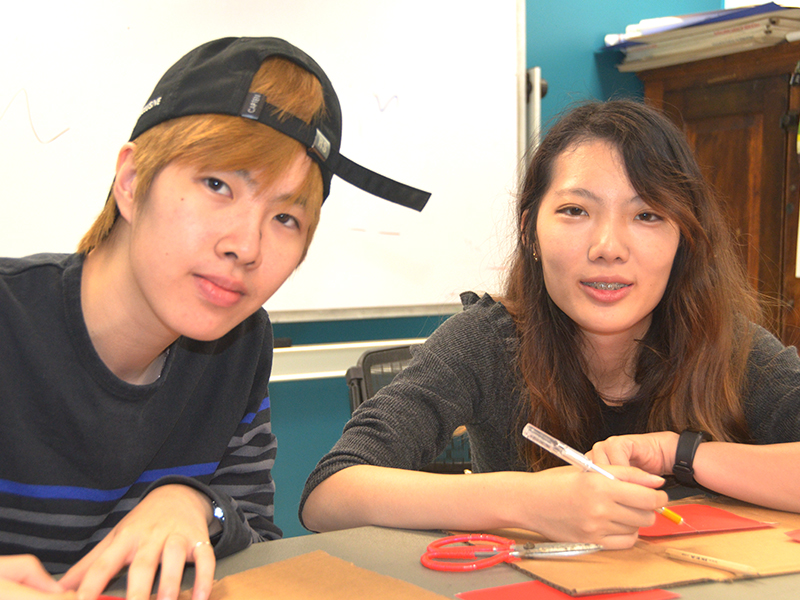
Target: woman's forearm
(369,495)
(767,475)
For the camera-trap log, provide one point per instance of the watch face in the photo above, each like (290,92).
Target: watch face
(218,513)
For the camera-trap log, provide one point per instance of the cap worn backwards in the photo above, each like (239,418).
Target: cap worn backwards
(215,78)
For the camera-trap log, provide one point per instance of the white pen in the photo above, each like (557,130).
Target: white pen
(560,449)
(573,457)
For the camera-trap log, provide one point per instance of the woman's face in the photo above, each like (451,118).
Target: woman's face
(606,255)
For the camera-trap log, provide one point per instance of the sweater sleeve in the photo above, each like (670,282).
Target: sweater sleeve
(410,421)
(772,400)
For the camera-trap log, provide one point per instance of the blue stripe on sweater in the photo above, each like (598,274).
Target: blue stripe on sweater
(66,492)
(248,418)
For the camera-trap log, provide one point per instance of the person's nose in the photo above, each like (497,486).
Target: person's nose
(610,240)
(242,242)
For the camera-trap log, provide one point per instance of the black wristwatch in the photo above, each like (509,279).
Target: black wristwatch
(683,468)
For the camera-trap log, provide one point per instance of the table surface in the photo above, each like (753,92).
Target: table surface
(396,552)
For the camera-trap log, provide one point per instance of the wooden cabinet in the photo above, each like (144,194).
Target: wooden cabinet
(739,113)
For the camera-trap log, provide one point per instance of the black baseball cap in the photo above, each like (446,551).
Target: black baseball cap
(215,78)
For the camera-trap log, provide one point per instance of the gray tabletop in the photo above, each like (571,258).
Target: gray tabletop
(396,552)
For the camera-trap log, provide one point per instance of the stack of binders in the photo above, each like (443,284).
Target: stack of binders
(657,43)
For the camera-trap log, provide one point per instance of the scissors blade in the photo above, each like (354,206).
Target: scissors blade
(556,549)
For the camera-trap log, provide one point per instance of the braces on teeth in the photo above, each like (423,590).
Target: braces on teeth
(606,286)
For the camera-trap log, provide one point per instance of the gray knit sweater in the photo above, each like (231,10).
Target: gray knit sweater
(464,374)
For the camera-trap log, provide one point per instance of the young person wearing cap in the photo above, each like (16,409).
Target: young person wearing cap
(134,373)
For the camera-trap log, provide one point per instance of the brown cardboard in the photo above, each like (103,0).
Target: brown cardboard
(769,551)
(313,576)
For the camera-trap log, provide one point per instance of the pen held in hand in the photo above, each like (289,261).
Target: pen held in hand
(573,457)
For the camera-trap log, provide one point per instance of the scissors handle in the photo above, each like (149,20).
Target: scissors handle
(459,558)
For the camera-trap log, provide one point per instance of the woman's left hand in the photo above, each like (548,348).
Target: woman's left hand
(651,452)
(169,527)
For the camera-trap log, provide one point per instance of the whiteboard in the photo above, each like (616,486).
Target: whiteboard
(430,94)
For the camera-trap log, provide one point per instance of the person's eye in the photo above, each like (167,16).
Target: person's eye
(288,220)
(217,185)
(572,211)
(649,217)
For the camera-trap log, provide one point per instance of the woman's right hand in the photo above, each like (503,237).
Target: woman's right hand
(23,577)
(582,506)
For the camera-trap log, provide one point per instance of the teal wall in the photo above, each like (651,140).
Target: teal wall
(563,39)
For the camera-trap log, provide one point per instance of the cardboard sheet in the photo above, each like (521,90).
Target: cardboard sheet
(699,518)
(770,551)
(313,576)
(542,591)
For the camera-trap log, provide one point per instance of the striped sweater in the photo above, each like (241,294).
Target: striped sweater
(81,447)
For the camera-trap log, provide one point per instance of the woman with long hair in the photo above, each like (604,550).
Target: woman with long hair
(627,330)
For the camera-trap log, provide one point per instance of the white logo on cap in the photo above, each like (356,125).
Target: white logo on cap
(152,104)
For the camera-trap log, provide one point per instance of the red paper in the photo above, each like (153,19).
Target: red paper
(698,518)
(542,591)
(795,535)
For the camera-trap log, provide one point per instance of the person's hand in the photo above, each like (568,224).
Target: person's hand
(168,527)
(651,452)
(23,577)
(580,506)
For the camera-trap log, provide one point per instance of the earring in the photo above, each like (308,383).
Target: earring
(535,256)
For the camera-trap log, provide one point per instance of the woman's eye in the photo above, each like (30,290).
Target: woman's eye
(648,217)
(217,185)
(573,211)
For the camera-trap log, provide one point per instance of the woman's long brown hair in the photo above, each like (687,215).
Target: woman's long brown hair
(690,366)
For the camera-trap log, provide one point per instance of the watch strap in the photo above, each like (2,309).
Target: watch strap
(688,442)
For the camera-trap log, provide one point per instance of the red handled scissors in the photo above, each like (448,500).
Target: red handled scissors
(489,550)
